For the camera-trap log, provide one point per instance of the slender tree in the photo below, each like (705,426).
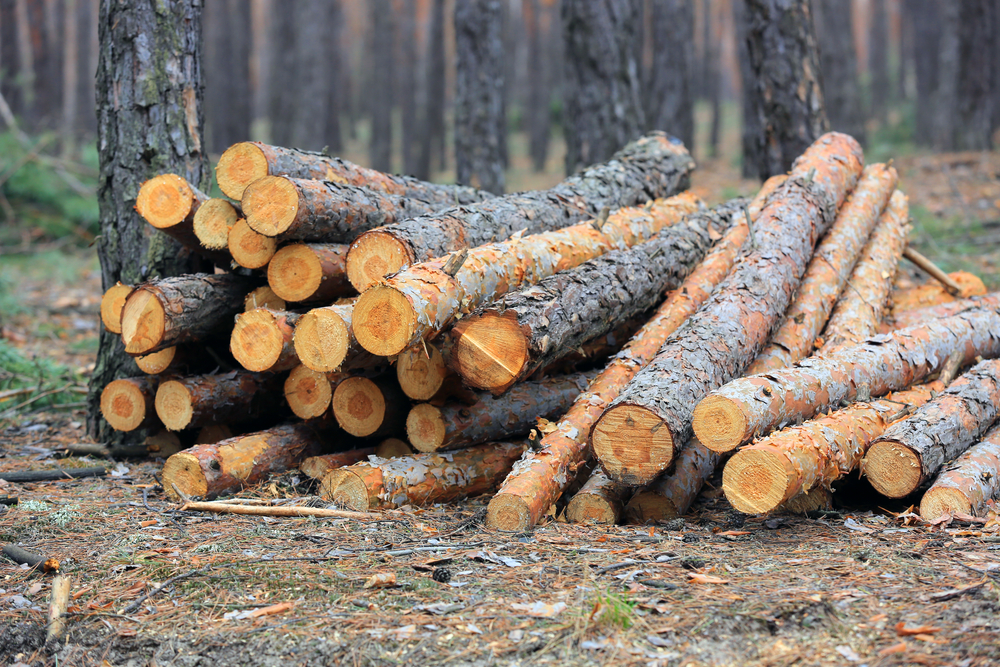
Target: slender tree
(283,74)
(432,132)
(838,66)
(380,75)
(713,79)
(539,83)
(227,70)
(147,124)
(748,92)
(669,89)
(978,23)
(70,80)
(924,16)
(316,122)
(407,85)
(949,70)
(878,59)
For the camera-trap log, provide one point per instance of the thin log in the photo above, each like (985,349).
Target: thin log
(919,316)
(274,510)
(309,272)
(128,404)
(421,371)
(672,494)
(968,483)
(654,166)
(308,392)
(316,467)
(641,432)
(199,400)
(933,271)
(248,248)
(212,222)
(914,449)
(111,306)
(263,297)
(24,476)
(598,501)
(933,293)
(58,602)
(370,408)
(163,444)
(25,557)
(169,203)
(160,361)
(422,479)
(262,340)
(819,498)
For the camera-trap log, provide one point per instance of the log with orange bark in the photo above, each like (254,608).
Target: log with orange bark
(207,471)
(248,248)
(219,398)
(508,341)
(181,309)
(653,166)
(968,483)
(600,500)
(169,203)
(828,270)
(212,222)
(324,340)
(754,406)
(913,450)
(127,404)
(370,407)
(671,494)
(309,272)
(317,467)
(918,316)
(639,435)
(111,306)
(422,479)
(243,163)
(864,304)
(430,428)
(262,340)
(933,293)
(419,302)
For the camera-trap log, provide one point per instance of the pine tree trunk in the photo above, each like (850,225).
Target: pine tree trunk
(407,82)
(227,69)
(70,78)
(602,95)
(316,125)
(380,76)
(480,122)
(138,41)
(878,60)
(968,483)
(670,104)
(283,73)
(540,83)
(713,80)
(750,102)
(978,24)
(925,16)
(433,121)
(839,73)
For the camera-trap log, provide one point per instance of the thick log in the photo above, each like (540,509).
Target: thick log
(914,449)
(208,471)
(212,222)
(263,297)
(919,316)
(111,307)
(169,203)
(309,393)
(204,399)
(248,248)
(457,425)
(244,163)
(183,309)
(417,303)
(527,330)
(316,467)
(798,459)
(324,341)
(758,404)
(422,479)
(128,404)
(933,293)
(672,494)
(262,340)
(968,483)
(654,166)
(292,209)
(370,408)
(828,270)
(598,501)
(863,306)
(641,432)
(309,272)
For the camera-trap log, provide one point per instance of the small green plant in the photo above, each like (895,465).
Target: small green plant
(612,610)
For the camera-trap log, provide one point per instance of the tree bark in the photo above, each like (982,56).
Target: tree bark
(137,41)
(602,94)
(380,75)
(968,483)
(670,103)
(433,122)
(652,416)
(839,71)
(317,99)
(262,340)
(751,108)
(782,51)
(672,494)
(309,272)
(878,60)
(224,398)
(925,16)
(227,71)
(912,318)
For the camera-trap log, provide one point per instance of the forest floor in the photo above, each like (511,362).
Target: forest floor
(867,584)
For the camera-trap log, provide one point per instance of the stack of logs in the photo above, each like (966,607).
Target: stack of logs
(407,343)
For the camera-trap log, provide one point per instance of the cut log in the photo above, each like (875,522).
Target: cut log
(457,425)
(111,307)
(598,501)
(863,305)
(828,270)
(316,467)
(654,166)
(204,399)
(798,459)
(393,447)
(244,163)
(159,362)
(421,371)
(527,330)
(641,432)
(541,477)
(208,471)
(672,494)
(262,340)
(417,303)
(309,393)
(818,499)
(128,404)
(309,272)
(933,293)
(163,444)
(248,248)
(758,404)
(370,408)
(263,297)
(953,287)
(422,479)
(919,316)
(182,309)
(169,203)
(324,341)
(292,209)
(212,222)
(213,433)
(968,483)
(913,450)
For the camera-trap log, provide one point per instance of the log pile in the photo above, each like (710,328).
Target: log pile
(594,352)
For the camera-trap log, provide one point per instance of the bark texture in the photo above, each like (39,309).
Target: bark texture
(968,483)
(205,399)
(670,94)
(912,318)
(598,501)
(380,74)
(671,495)
(839,69)
(316,467)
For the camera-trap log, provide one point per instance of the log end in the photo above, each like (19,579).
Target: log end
(322,340)
(384,321)
(392,448)
(111,307)
(359,406)
(263,297)
(756,481)
(425,427)
(248,248)
(295,273)
(174,405)
(509,513)
(421,376)
(308,392)
(892,468)
(375,255)
(157,362)
(719,424)
(270,205)
(143,322)
(939,501)
(123,405)
(165,200)
(633,444)
(239,166)
(184,471)
(491,350)
(591,508)
(345,488)
(649,507)
(256,342)
(212,222)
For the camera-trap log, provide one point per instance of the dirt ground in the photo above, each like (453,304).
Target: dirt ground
(868,584)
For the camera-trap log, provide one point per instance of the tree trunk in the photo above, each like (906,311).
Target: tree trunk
(9,56)
(480,122)
(433,122)
(878,60)
(227,73)
(138,41)
(751,108)
(309,272)
(200,400)
(603,96)
(839,70)
(262,340)
(926,18)
(284,80)
(782,51)
(979,21)
(540,82)
(652,416)
(370,408)
(670,103)
(713,80)
(380,75)
(317,109)
(70,78)
(671,495)
(968,483)
(651,167)
(407,67)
